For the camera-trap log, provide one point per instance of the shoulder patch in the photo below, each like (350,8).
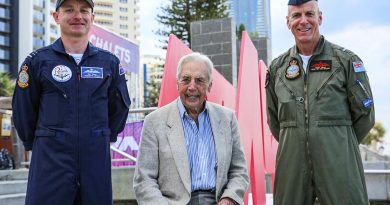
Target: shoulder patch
(358,66)
(23,77)
(121,70)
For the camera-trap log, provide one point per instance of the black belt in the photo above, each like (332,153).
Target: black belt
(203,191)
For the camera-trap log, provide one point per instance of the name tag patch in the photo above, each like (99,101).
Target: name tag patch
(91,72)
(367,102)
(358,66)
(321,65)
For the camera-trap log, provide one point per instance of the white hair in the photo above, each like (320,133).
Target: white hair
(195,57)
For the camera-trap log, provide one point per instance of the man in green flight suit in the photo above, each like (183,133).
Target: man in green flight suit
(320,107)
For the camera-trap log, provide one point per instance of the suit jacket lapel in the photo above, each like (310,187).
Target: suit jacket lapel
(178,146)
(217,126)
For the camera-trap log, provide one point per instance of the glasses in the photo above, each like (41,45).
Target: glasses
(186,80)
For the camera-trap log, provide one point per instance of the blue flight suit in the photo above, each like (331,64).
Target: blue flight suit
(67,114)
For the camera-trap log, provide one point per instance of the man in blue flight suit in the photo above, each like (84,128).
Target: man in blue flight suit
(70,102)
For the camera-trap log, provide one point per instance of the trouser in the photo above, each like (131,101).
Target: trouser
(61,175)
(202,198)
(327,167)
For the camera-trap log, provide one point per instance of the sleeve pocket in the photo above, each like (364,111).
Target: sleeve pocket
(360,98)
(124,95)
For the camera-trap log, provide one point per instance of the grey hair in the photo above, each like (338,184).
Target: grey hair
(195,57)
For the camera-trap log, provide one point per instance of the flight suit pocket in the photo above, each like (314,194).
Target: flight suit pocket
(123,94)
(54,105)
(100,139)
(287,114)
(322,123)
(101,133)
(360,97)
(52,141)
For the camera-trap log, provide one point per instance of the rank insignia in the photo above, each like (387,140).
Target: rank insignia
(321,65)
(293,71)
(23,77)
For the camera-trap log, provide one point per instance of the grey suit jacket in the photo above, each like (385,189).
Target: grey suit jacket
(162,175)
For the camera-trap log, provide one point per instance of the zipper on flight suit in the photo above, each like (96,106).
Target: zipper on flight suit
(289,90)
(77,145)
(305,90)
(62,92)
(326,82)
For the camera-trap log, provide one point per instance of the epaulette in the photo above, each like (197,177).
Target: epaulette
(346,51)
(34,53)
(107,52)
(343,50)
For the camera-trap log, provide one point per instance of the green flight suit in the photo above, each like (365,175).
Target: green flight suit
(319,116)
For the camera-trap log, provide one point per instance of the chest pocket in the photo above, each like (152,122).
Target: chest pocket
(287,101)
(54,102)
(96,80)
(98,97)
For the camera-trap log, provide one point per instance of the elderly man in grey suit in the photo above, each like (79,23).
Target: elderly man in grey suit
(190,150)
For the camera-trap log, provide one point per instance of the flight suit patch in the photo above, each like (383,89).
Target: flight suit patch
(367,102)
(293,71)
(91,72)
(23,77)
(358,66)
(321,65)
(121,70)
(61,73)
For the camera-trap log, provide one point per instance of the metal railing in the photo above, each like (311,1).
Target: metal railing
(128,157)
(20,153)
(368,154)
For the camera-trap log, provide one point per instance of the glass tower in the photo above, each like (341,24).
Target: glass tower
(254,14)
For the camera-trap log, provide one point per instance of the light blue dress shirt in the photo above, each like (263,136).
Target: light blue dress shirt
(200,148)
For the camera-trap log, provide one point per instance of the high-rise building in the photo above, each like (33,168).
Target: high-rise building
(37,27)
(153,69)
(119,16)
(254,14)
(8,41)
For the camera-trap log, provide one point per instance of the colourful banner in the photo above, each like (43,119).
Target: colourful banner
(128,141)
(125,50)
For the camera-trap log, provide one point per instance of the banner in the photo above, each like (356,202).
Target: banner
(6,125)
(125,50)
(128,141)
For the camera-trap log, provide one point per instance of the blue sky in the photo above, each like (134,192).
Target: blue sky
(359,25)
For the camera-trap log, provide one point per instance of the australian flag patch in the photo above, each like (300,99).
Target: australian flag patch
(358,66)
